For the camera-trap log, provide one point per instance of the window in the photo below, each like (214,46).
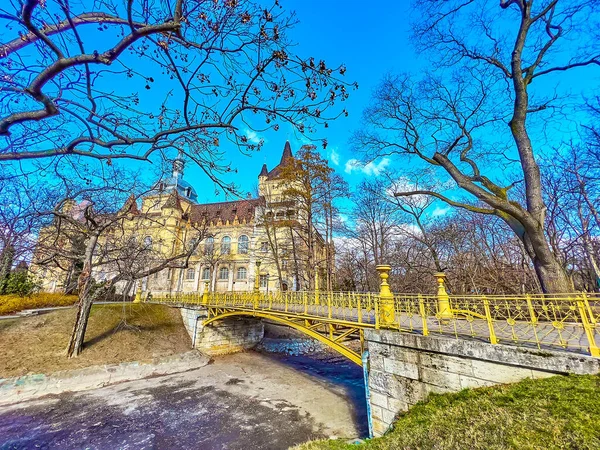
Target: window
(241,273)
(264,246)
(243,244)
(169,274)
(223,273)
(190,274)
(206,273)
(148,243)
(225,245)
(284,264)
(263,280)
(155,275)
(209,246)
(192,244)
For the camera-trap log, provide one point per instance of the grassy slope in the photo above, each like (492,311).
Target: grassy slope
(115,333)
(552,413)
(10,304)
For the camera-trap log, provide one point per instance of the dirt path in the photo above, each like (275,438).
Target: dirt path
(248,401)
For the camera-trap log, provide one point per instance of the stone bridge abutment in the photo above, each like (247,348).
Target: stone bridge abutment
(405,368)
(228,335)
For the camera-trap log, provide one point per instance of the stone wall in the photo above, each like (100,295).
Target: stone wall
(405,368)
(230,335)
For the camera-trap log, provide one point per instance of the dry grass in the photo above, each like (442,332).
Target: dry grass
(115,333)
(10,304)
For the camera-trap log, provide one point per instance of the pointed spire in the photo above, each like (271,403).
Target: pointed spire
(264,171)
(178,165)
(287,152)
(173,201)
(130,205)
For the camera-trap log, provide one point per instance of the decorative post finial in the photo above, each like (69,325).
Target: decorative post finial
(444,311)
(386,298)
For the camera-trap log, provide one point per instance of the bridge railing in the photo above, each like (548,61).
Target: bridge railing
(563,322)
(559,322)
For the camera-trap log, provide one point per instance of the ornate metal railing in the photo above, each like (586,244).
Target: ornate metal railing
(554,322)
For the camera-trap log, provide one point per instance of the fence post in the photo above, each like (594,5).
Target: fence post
(589,328)
(317,287)
(490,322)
(358,308)
(205,294)
(138,294)
(531,310)
(423,315)
(444,311)
(387,310)
(587,307)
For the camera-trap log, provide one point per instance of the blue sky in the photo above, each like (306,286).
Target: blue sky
(370,41)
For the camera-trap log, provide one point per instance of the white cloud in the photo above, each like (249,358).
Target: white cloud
(438,211)
(370,169)
(253,136)
(334,157)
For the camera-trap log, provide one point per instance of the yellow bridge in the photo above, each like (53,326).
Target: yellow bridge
(564,322)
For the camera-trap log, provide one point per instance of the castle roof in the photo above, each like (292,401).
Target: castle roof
(264,171)
(286,157)
(130,206)
(225,211)
(173,201)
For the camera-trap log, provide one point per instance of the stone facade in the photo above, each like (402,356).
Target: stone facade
(405,368)
(231,335)
(234,237)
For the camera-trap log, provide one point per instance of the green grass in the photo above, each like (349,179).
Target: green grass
(551,413)
(10,304)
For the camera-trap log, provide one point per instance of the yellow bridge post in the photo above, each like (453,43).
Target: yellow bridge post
(588,328)
(256,285)
(444,310)
(317,287)
(386,298)
(138,294)
(205,294)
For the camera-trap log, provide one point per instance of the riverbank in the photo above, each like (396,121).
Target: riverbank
(115,334)
(240,401)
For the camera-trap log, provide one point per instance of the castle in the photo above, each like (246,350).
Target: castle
(247,241)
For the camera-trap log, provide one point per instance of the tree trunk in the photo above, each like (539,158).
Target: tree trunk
(550,273)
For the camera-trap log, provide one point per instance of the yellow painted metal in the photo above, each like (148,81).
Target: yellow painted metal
(348,353)
(444,311)
(386,297)
(138,294)
(205,294)
(490,321)
(558,322)
(423,316)
(589,329)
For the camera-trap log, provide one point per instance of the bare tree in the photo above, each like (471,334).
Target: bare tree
(113,244)
(479,108)
(125,80)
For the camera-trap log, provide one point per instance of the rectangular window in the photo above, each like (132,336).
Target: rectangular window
(284,264)
(190,274)
(264,246)
(263,280)
(169,274)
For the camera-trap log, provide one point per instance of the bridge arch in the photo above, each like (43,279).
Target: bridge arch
(345,351)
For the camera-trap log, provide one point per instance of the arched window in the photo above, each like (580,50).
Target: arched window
(209,246)
(243,244)
(223,273)
(241,273)
(148,243)
(206,273)
(190,274)
(225,245)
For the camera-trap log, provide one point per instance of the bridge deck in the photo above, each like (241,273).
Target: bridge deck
(566,323)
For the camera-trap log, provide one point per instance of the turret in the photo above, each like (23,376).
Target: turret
(262,178)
